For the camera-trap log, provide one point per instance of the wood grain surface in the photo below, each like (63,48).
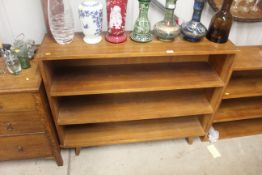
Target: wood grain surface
(49,50)
(128,132)
(239,109)
(132,106)
(132,78)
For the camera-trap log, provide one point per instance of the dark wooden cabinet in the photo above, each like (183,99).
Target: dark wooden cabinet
(26,126)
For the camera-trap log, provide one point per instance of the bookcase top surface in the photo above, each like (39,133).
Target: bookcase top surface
(249,58)
(50,50)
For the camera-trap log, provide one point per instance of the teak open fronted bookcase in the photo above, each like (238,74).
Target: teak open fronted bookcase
(240,113)
(131,92)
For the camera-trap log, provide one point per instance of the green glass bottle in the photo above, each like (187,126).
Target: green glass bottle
(22,55)
(141,32)
(221,23)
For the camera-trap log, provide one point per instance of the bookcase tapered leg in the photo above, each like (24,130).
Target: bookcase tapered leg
(189,140)
(77,151)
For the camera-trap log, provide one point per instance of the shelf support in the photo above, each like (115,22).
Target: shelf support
(189,140)
(77,151)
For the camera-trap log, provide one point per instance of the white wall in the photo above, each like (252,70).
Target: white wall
(25,16)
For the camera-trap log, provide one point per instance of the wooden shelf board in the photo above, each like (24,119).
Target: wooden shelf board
(249,58)
(133,78)
(128,132)
(239,109)
(244,86)
(50,50)
(239,128)
(133,106)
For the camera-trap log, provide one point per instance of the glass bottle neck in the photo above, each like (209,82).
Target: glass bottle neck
(196,15)
(198,7)
(143,9)
(226,5)
(169,15)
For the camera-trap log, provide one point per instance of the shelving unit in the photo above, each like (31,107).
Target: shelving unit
(240,113)
(132,92)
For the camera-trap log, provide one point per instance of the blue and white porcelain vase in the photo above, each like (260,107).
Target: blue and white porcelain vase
(91,18)
(194,30)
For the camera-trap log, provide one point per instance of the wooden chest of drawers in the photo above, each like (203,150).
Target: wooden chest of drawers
(26,127)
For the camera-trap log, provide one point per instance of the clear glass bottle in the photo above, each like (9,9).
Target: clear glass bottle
(167,30)
(194,30)
(221,23)
(12,63)
(61,21)
(141,32)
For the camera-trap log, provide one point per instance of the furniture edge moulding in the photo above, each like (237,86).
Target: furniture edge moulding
(52,103)
(45,113)
(49,50)
(224,68)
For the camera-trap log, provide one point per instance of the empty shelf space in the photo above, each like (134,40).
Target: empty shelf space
(132,106)
(249,58)
(244,84)
(239,128)
(127,132)
(86,80)
(239,109)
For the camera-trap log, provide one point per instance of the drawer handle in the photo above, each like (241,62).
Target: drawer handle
(9,127)
(20,149)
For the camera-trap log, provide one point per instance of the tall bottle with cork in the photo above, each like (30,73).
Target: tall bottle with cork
(221,23)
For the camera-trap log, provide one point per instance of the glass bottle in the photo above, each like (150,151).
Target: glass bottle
(167,29)
(141,32)
(12,63)
(194,30)
(221,23)
(22,54)
(61,21)
(116,17)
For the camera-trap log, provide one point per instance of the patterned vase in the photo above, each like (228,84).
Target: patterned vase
(116,18)
(141,32)
(167,29)
(194,30)
(91,16)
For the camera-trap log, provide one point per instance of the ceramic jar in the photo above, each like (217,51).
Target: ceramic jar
(167,29)
(116,18)
(194,30)
(141,32)
(91,17)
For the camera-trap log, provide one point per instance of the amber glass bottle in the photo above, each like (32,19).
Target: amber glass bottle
(221,23)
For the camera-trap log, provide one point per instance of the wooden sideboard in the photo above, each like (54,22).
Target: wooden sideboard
(240,113)
(26,126)
(131,92)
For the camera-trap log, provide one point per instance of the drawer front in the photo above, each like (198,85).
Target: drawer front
(20,123)
(17,102)
(24,147)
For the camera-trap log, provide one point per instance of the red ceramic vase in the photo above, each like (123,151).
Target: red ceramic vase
(116,19)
